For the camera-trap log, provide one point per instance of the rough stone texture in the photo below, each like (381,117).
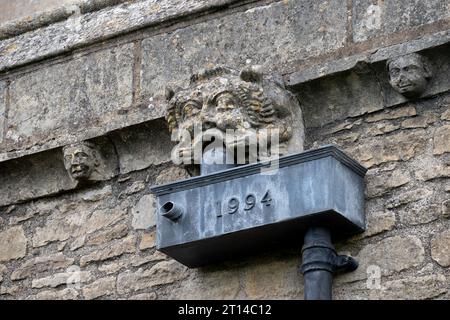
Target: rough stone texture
(64,294)
(66,278)
(127,245)
(2,109)
(165,272)
(440,248)
(144,296)
(41,264)
(97,194)
(11,10)
(99,288)
(412,288)
(442,140)
(116,232)
(14,244)
(74,224)
(144,213)
(392,254)
(32,177)
(374,19)
(239,39)
(171,175)
(399,146)
(266,275)
(214,283)
(377,223)
(379,183)
(100,85)
(85,29)
(147,241)
(137,150)
(348,94)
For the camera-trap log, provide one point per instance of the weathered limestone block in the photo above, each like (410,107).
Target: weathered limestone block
(147,241)
(64,294)
(32,177)
(377,222)
(65,278)
(418,213)
(140,146)
(446,115)
(207,283)
(144,296)
(379,183)
(408,197)
(411,288)
(77,96)
(135,187)
(171,174)
(20,9)
(97,194)
(127,245)
(75,224)
(416,122)
(393,254)
(440,248)
(431,167)
(374,19)
(442,140)
(40,264)
(116,232)
(382,127)
(13,244)
(99,288)
(165,272)
(264,281)
(3,270)
(400,146)
(242,38)
(390,114)
(144,213)
(89,28)
(333,98)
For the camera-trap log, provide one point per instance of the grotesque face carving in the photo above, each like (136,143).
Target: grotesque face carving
(409,74)
(224,100)
(81,160)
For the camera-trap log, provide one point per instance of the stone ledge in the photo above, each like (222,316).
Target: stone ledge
(51,14)
(355,61)
(89,28)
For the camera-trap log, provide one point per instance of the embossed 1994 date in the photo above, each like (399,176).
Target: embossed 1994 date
(234,204)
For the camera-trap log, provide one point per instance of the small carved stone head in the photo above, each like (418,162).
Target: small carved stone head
(81,160)
(409,74)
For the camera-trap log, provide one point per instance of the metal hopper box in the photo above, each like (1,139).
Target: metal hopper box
(238,211)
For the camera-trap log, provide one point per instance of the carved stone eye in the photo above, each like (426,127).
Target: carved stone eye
(395,72)
(191,107)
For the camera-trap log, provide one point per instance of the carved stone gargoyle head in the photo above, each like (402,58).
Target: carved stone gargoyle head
(245,105)
(409,74)
(82,161)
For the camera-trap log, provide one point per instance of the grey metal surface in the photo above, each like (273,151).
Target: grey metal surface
(240,210)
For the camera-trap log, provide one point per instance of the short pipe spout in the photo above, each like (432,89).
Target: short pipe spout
(171,211)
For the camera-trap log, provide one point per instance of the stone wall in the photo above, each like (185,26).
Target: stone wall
(99,72)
